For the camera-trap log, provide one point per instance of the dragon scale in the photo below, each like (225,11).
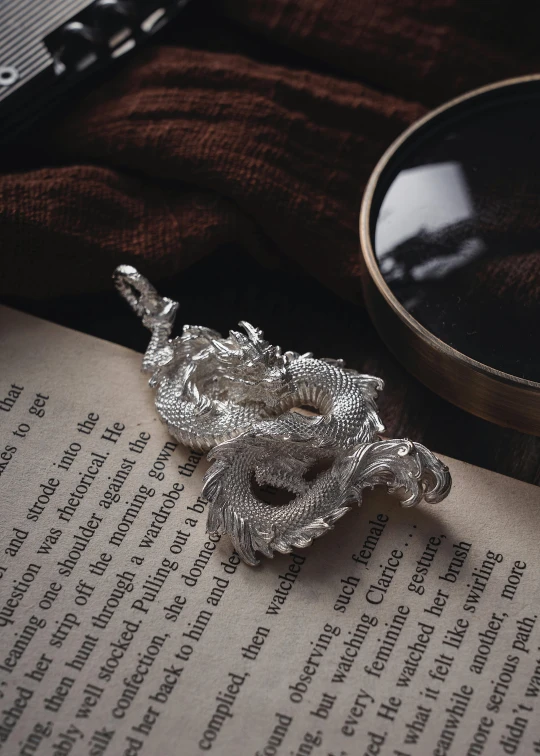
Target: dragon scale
(410,471)
(202,412)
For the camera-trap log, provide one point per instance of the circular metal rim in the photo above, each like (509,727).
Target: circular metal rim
(500,397)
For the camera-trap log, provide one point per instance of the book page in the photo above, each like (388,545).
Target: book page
(126,629)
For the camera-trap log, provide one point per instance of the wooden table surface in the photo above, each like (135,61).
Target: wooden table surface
(300,314)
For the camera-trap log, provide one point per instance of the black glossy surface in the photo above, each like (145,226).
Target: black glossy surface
(456,229)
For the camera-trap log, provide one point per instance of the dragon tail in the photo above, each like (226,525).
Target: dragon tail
(409,470)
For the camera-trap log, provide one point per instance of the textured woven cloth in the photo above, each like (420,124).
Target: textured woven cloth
(250,123)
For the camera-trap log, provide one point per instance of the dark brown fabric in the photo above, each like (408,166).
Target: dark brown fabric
(254,123)
(426,50)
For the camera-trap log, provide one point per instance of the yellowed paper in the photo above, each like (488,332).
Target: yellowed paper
(126,629)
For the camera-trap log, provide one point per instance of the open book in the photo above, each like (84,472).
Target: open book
(126,629)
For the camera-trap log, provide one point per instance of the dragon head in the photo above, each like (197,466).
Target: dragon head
(255,367)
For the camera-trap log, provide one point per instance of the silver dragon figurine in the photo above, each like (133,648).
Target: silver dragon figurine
(238,397)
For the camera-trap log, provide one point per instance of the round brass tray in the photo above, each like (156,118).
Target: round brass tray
(496,396)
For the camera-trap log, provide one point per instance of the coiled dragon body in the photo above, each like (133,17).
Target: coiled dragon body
(410,471)
(236,396)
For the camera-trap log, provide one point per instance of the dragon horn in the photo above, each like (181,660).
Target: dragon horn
(255,334)
(256,337)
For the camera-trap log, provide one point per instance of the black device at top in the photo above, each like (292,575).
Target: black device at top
(48,46)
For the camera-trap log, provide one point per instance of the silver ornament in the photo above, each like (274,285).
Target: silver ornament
(237,396)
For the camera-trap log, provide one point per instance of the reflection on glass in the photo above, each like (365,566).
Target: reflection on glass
(424,199)
(422,204)
(457,234)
